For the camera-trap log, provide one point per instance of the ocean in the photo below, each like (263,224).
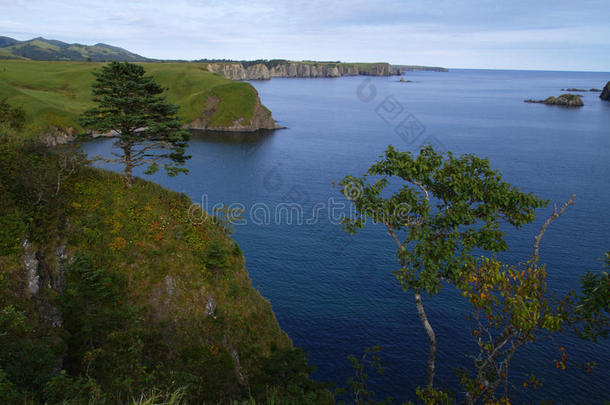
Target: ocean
(335,294)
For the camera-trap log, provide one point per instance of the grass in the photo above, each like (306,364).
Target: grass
(237,101)
(56,93)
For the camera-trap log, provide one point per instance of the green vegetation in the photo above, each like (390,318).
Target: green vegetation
(123,294)
(54,94)
(12,117)
(566,100)
(45,49)
(237,101)
(146,126)
(446,207)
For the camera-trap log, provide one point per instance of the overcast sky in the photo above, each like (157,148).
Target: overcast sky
(512,34)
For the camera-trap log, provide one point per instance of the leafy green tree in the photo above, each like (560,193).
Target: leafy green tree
(444,207)
(146,127)
(593,304)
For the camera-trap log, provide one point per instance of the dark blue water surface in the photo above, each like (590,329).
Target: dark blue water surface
(335,294)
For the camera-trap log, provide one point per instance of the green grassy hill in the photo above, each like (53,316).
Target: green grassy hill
(46,49)
(54,94)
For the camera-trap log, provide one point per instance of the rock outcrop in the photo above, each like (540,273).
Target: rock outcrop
(605,92)
(265,71)
(236,71)
(261,118)
(565,100)
(31,263)
(57,136)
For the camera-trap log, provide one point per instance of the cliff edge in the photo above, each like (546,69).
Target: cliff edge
(265,70)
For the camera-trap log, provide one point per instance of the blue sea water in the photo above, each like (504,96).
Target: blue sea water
(334,294)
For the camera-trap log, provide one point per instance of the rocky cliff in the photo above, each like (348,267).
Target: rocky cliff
(265,71)
(605,92)
(415,68)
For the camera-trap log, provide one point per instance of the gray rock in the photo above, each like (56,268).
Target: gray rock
(210,307)
(605,92)
(259,71)
(31,263)
(57,136)
(61,258)
(238,370)
(169,285)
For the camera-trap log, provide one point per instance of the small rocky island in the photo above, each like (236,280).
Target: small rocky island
(581,90)
(565,100)
(605,92)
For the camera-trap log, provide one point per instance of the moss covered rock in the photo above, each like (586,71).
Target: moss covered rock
(566,100)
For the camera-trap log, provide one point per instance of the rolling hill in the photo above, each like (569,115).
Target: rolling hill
(52,50)
(54,94)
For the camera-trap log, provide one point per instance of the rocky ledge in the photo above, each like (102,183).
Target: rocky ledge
(605,92)
(565,100)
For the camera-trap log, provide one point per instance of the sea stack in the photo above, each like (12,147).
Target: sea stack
(605,92)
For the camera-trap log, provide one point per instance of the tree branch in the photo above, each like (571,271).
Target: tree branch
(556,214)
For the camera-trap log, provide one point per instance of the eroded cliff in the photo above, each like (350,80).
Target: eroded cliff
(266,70)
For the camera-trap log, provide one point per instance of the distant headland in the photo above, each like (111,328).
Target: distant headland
(266,69)
(42,49)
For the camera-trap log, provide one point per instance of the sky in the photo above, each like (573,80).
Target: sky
(509,34)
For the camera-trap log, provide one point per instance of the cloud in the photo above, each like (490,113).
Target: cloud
(483,33)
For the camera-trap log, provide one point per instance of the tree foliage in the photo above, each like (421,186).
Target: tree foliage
(131,107)
(445,207)
(593,304)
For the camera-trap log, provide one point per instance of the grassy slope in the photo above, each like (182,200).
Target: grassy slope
(55,93)
(141,236)
(146,232)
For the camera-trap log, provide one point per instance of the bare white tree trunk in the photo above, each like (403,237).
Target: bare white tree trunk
(431,338)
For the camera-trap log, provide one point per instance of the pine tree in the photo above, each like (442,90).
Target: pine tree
(131,108)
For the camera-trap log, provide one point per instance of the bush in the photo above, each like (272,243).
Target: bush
(12,117)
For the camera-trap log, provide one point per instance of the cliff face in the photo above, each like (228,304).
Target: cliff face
(236,71)
(415,68)
(260,71)
(605,92)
